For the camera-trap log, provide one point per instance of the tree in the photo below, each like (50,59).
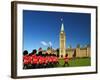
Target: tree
(88,45)
(40,53)
(78,45)
(57,52)
(74,55)
(85,46)
(48,48)
(70,46)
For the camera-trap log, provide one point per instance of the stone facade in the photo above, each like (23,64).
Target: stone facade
(79,52)
(76,52)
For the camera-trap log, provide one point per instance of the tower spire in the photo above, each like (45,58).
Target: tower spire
(62,26)
(62,50)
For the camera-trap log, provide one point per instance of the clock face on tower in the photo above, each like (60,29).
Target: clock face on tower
(61,35)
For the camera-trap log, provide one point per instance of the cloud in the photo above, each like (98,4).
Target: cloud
(44,43)
(50,43)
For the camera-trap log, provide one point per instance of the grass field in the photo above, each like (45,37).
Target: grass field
(75,62)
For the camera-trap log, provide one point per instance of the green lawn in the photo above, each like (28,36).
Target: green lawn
(76,62)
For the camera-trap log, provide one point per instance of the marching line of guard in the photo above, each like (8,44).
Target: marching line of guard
(34,60)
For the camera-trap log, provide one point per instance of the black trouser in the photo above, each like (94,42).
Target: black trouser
(66,63)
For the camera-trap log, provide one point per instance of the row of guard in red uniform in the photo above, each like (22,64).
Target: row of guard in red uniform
(33,60)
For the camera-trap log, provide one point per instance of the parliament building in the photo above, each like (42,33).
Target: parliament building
(78,52)
(63,49)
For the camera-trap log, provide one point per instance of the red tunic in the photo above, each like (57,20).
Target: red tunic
(25,59)
(34,55)
(55,59)
(35,60)
(46,60)
(30,59)
(66,59)
(41,60)
(51,59)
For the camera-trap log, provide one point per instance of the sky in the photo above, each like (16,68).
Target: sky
(42,29)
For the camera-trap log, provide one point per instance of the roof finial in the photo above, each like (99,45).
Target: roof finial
(61,19)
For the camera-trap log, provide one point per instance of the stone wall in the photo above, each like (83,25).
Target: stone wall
(80,52)
(70,52)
